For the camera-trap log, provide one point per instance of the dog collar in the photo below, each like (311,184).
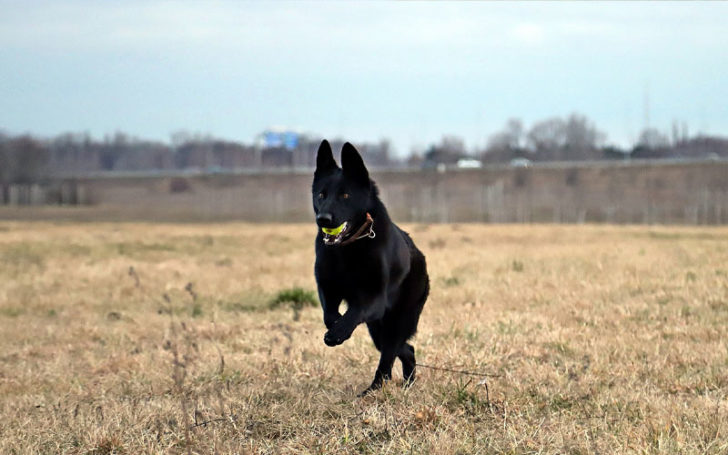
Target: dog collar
(369,223)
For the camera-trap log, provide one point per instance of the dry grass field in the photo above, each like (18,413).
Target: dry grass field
(160,338)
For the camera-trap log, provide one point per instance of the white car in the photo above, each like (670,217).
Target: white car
(520,162)
(469,163)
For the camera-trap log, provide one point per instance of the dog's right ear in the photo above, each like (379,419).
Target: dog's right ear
(325,159)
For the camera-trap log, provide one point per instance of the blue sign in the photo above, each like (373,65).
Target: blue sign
(287,139)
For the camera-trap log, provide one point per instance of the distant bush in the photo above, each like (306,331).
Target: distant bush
(297,298)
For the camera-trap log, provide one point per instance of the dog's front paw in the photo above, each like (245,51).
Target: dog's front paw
(337,335)
(331,340)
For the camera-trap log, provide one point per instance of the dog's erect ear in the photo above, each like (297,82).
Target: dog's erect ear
(353,165)
(325,159)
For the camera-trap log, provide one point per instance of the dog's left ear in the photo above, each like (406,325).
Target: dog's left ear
(353,165)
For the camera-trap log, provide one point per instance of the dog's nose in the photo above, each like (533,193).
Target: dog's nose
(324,219)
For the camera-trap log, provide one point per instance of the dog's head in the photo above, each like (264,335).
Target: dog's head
(341,195)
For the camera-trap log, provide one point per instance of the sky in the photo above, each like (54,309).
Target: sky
(407,71)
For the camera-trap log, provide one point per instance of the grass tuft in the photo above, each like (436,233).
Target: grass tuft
(451,281)
(296,297)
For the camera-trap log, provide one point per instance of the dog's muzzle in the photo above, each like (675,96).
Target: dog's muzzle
(333,236)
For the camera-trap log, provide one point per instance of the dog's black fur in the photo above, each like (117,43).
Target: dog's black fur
(383,279)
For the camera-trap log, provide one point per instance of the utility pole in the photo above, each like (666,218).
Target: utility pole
(647,105)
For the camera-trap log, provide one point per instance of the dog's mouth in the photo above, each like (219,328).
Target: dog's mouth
(334,236)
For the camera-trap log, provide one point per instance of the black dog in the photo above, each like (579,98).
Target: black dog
(364,258)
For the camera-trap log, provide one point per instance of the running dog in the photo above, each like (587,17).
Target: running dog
(362,257)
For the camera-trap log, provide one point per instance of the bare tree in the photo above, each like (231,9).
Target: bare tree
(575,138)
(652,138)
(5,170)
(511,137)
(453,144)
(448,151)
(582,138)
(547,138)
(27,159)
(581,133)
(507,143)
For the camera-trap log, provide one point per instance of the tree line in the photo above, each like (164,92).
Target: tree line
(574,138)
(27,159)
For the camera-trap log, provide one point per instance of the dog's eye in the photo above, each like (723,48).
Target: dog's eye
(345,196)
(321,195)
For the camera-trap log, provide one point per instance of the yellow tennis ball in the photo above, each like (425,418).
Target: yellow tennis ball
(334,231)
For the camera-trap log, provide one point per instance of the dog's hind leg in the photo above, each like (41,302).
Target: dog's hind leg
(384,369)
(387,356)
(407,357)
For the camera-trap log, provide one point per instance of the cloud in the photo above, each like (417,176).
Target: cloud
(528,33)
(417,67)
(257,28)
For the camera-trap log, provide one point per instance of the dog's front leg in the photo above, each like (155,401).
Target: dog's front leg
(343,327)
(330,304)
(355,315)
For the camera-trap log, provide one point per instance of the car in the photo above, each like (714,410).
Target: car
(520,162)
(469,163)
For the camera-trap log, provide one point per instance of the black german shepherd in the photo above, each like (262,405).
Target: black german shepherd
(364,258)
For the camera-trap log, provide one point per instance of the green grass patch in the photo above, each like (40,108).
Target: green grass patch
(465,396)
(297,298)
(11,312)
(133,249)
(22,255)
(451,281)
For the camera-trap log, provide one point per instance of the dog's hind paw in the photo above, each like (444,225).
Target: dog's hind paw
(368,390)
(364,393)
(377,383)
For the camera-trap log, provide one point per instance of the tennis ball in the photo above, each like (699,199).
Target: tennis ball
(334,231)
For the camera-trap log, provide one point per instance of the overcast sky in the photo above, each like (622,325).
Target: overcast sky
(408,71)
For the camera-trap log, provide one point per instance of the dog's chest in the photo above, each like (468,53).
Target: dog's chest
(352,273)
